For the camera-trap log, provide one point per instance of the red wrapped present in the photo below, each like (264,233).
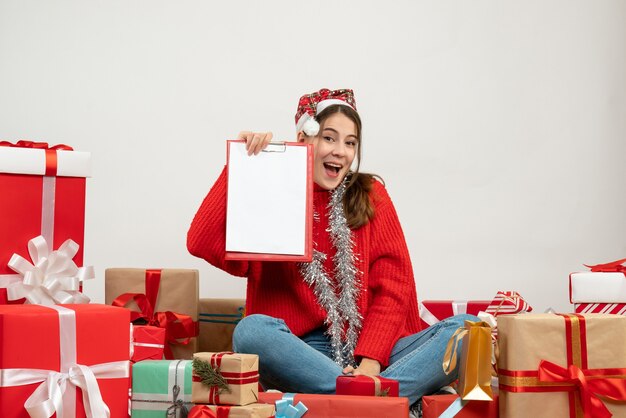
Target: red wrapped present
(367,386)
(341,406)
(59,358)
(604,283)
(433,311)
(43,191)
(608,308)
(436,405)
(147,343)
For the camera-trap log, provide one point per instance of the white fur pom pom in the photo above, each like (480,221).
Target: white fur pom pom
(311,127)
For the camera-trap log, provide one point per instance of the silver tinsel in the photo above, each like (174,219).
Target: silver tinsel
(343,319)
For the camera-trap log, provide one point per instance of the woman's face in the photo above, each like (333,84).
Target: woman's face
(334,150)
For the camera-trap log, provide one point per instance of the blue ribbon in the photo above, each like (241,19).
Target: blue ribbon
(286,409)
(454,408)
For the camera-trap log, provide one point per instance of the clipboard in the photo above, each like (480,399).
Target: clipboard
(269,209)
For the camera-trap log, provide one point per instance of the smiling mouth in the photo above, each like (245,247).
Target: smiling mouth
(332,169)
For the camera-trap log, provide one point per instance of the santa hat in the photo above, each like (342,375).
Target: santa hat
(310,105)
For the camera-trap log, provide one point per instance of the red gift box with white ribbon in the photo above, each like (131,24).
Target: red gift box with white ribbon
(59,359)
(43,189)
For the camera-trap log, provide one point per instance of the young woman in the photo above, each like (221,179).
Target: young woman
(353,309)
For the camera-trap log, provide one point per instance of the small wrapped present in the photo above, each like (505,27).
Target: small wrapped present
(225,378)
(165,298)
(605,308)
(337,406)
(562,365)
(604,283)
(147,343)
(218,318)
(475,365)
(433,311)
(508,303)
(161,388)
(60,359)
(254,410)
(44,194)
(438,406)
(366,386)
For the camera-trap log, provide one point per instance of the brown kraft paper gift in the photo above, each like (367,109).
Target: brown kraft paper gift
(553,365)
(234,378)
(218,318)
(177,292)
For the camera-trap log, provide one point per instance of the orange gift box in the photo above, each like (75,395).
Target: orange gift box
(40,347)
(435,405)
(345,406)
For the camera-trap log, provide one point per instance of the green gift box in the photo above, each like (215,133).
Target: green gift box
(161,388)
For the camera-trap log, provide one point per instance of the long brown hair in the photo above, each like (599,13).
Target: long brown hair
(357,206)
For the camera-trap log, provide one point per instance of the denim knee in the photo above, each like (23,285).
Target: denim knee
(459,320)
(251,330)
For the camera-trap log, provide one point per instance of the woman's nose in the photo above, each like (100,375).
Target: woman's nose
(339,148)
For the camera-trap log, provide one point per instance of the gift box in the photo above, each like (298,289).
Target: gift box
(436,405)
(41,346)
(605,308)
(43,191)
(433,311)
(366,386)
(166,298)
(254,410)
(147,343)
(562,365)
(225,378)
(604,283)
(342,406)
(160,387)
(218,318)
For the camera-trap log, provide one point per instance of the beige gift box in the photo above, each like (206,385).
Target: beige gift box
(238,375)
(218,318)
(178,293)
(255,410)
(590,343)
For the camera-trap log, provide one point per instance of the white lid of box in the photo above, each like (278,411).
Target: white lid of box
(17,160)
(597,287)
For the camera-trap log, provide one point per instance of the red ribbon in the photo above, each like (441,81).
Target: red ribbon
(179,328)
(51,152)
(612,267)
(590,389)
(201,411)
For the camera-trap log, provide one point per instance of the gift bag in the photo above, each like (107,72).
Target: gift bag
(475,363)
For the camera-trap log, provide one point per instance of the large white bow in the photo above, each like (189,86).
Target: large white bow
(48,397)
(52,277)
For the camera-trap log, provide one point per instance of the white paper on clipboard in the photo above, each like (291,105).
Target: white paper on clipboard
(267,203)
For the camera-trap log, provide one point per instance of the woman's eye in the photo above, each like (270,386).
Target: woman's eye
(328,138)
(351,143)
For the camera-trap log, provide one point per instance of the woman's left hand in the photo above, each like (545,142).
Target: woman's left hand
(367,367)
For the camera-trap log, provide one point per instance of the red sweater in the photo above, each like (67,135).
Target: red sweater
(388,301)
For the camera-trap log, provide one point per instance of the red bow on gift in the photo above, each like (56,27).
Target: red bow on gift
(38,145)
(179,328)
(590,387)
(614,266)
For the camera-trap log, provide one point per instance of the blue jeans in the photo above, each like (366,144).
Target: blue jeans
(304,365)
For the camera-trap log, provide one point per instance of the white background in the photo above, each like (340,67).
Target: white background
(498,126)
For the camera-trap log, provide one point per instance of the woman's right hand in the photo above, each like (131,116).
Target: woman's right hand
(255,141)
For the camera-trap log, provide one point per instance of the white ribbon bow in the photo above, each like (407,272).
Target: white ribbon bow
(48,397)
(52,278)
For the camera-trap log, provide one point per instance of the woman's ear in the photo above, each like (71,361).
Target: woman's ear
(301,136)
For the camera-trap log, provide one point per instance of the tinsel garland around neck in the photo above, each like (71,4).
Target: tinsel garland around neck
(337,297)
